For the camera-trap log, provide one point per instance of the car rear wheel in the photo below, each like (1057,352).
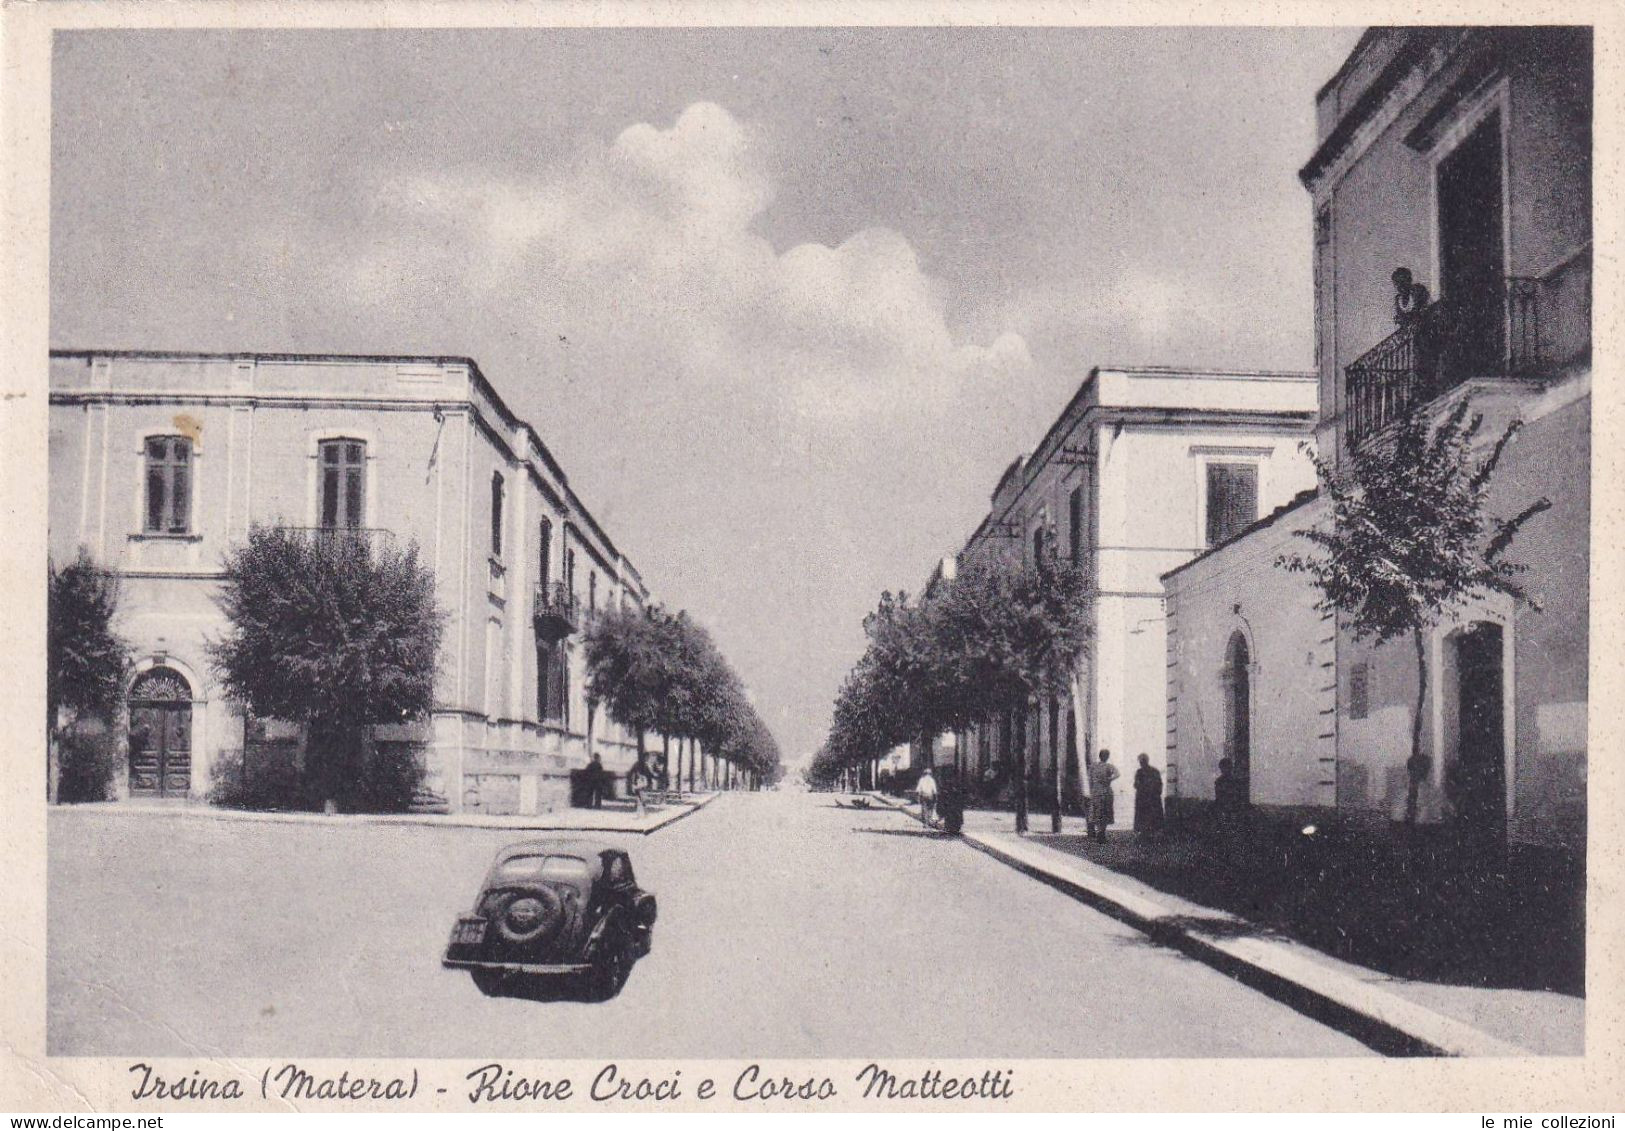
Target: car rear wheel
(613,967)
(491,983)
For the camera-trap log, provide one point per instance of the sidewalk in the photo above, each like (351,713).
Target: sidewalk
(607,820)
(1393,1014)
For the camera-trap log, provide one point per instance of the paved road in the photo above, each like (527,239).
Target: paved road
(788,927)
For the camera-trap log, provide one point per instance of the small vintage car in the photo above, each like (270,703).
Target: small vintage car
(554,915)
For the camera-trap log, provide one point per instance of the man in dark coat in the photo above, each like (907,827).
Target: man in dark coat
(1147,798)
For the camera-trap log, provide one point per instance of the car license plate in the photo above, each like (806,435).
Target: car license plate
(468,932)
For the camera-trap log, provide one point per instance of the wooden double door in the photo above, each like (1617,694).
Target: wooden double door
(160,736)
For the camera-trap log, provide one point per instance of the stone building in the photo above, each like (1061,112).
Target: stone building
(1143,470)
(159,463)
(1463,157)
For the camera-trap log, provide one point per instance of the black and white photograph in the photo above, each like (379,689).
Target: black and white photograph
(873,556)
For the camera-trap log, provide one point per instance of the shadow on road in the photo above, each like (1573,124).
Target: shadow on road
(928,834)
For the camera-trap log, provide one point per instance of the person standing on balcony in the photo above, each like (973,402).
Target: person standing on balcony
(1410,297)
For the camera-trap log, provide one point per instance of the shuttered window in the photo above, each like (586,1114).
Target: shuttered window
(1074,524)
(498,489)
(1360,690)
(169,485)
(1232,499)
(550,689)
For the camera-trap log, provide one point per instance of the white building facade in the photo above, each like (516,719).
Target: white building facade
(1462,155)
(1145,469)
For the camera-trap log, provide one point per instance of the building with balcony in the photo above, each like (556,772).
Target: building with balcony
(1144,469)
(160,462)
(1451,193)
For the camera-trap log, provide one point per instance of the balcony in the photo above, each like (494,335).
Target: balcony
(1529,328)
(555,611)
(371,537)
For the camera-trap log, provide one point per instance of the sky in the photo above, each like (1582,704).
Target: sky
(783,302)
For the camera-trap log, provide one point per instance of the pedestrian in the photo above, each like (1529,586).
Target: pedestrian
(927,792)
(1147,798)
(634,784)
(595,782)
(1101,776)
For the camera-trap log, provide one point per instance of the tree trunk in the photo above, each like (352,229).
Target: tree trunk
(335,774)
(691,767)
(1413,780)
(53,759)
(592,711)
(665,757)
(1059,753)
(641,752)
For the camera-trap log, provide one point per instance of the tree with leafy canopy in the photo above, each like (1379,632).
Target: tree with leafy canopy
(1000,637)
(1411,539)
(1013,632)
(87,661)
(627,670)
(656,670)
(338,630)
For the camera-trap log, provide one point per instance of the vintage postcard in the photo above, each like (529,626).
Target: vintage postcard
(810,558)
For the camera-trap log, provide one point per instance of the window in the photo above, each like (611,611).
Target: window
(169,485)
(570,572)
(545,552)
(1359,690)
(592,590)
(1038,546)
(564,685)
(1232,499)
(344,484)
(1074,524)
(1322,280)
(498,487)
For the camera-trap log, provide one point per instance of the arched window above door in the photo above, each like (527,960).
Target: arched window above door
(160,685)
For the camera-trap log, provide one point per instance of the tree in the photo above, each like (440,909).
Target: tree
(626,670)
(87,662)
(1411,539)
(662,671)
(338,630)
(1014,632)
(998,638)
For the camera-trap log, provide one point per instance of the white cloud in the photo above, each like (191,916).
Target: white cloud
(643,251)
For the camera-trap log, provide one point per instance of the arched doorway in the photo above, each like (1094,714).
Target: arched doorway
(1475,782)
(1238,713)
(160,734)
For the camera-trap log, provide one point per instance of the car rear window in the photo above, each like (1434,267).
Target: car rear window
(534,867)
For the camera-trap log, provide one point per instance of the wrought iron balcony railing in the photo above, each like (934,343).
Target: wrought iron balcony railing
(556,613)
(1528,328)
(373,537)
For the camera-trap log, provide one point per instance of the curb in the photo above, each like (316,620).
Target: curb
(436,821)
(1384,1021)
